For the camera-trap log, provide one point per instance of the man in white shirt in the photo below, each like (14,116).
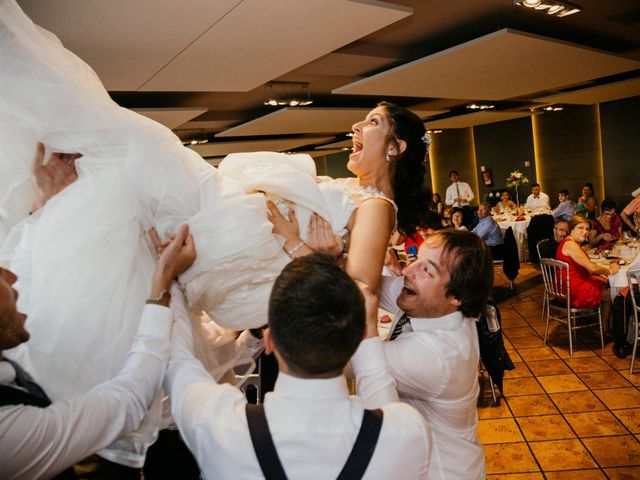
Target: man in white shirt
(433,350)
(537,199)
(42,439)
(459,194)
(316,321)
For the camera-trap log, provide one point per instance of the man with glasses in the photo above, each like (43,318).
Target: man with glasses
(549,247)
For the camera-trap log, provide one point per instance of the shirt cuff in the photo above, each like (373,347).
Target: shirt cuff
(156,321)
(369,357)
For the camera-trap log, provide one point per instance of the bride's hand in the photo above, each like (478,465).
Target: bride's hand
(321,238)
(50,179)
(288,229)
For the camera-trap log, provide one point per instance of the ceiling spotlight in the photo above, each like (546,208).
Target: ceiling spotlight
(559,8)
(480,106)
(552,108)
(294,94)
(433,132)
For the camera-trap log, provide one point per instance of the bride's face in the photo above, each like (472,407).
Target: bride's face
(370,143)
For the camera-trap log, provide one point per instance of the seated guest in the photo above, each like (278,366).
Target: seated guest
(587,191)
(621,309)
(607,228)
(489,231)
(41,439)
(587,279)
(537,199)
(446,217)
(505,204)
(566,208)
(549,246)
(316,321)
(587,208)
(456,220)
(432,351)
(631,213)
(436,204)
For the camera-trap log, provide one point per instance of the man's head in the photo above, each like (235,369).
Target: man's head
(454,176)
(560,230)
(563,195)
(316,317)
(484,210)
(535,189)
(454,271)
(12,331)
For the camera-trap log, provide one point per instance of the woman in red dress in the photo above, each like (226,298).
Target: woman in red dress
(587,279)
(607,228)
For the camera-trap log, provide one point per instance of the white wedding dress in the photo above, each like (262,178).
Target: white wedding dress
(84,261)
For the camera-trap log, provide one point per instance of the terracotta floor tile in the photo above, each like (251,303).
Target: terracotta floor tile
(630,417)
(500,411)
(533,354)
(562,383)
(521,370)
(562,455)
(516,332)
(527,308)
(618,363)
(499,430)
(588,364)
(516,476)
(528,405)
(509,458)
(579,351)
(623,473)
(515,321)
(521,386)
(532,341)
(614,451)
(548,367)
(602,380)
(591,474)
(595,424)
(617,398)
(577,402)
(545,427)
(634,378)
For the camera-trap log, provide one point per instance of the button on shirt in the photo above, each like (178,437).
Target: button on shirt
(435,367)
(465,193)
(489,231)
(541,201)
(313,422)
(41,442)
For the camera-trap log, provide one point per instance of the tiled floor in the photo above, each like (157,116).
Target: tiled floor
(561,418)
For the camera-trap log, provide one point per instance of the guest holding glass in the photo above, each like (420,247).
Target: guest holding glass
(607,228)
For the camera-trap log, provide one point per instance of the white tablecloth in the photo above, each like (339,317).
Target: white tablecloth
(519,231)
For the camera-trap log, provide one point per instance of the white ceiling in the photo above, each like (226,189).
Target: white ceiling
(170,117)
(503,64)
(218,149)
(598,94)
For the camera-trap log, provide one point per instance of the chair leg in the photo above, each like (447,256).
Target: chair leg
(635,349)
(546,325)
(493,390)
(600,323)
(544,304)
(570,334)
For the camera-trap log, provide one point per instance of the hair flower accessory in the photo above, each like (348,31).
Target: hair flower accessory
(426,140)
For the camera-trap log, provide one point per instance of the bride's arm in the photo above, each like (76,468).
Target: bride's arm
(372,223)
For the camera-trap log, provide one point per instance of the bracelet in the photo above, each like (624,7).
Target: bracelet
(295,249)
(164,295)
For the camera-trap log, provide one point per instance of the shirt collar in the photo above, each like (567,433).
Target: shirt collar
(452,321)
(311,388)
(7,373)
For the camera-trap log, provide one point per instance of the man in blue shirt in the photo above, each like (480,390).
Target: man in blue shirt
(566,208)
(489,231)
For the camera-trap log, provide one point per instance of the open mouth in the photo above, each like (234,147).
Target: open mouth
(408,292)
(357,146)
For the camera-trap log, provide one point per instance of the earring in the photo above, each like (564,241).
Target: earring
(388,156)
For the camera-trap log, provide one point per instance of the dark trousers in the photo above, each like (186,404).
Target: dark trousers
(619,306)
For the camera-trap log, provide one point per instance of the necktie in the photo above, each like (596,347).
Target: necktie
(458,191)
(398,329)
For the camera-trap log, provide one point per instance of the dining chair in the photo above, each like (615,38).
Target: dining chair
(557,287)
(633,279)
(540,249)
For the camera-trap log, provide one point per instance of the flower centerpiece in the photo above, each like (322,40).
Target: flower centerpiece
(514,180)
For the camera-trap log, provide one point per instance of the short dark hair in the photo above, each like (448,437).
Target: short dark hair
(535,185)
(608,204)
(316,315)
(470,269)
(564,191)
(452,172)
(560,220)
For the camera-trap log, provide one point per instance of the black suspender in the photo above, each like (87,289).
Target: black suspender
(269,461)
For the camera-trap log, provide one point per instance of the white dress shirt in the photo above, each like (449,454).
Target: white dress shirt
(541,201)
(313,422)
(435,365)
(41,442)
(466,194)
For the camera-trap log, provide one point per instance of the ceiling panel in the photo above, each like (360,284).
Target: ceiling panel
(599,94)
(282,145)
(170,117)
(206,124)
(501,65)
(296,120)
(258,41)
(339,145)
(475,118)
(126,42)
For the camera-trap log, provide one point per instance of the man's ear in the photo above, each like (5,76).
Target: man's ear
(268,341)
(454,301)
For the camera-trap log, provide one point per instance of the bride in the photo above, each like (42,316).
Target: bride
(84,259)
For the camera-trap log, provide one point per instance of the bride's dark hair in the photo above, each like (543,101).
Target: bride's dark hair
(410,194)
